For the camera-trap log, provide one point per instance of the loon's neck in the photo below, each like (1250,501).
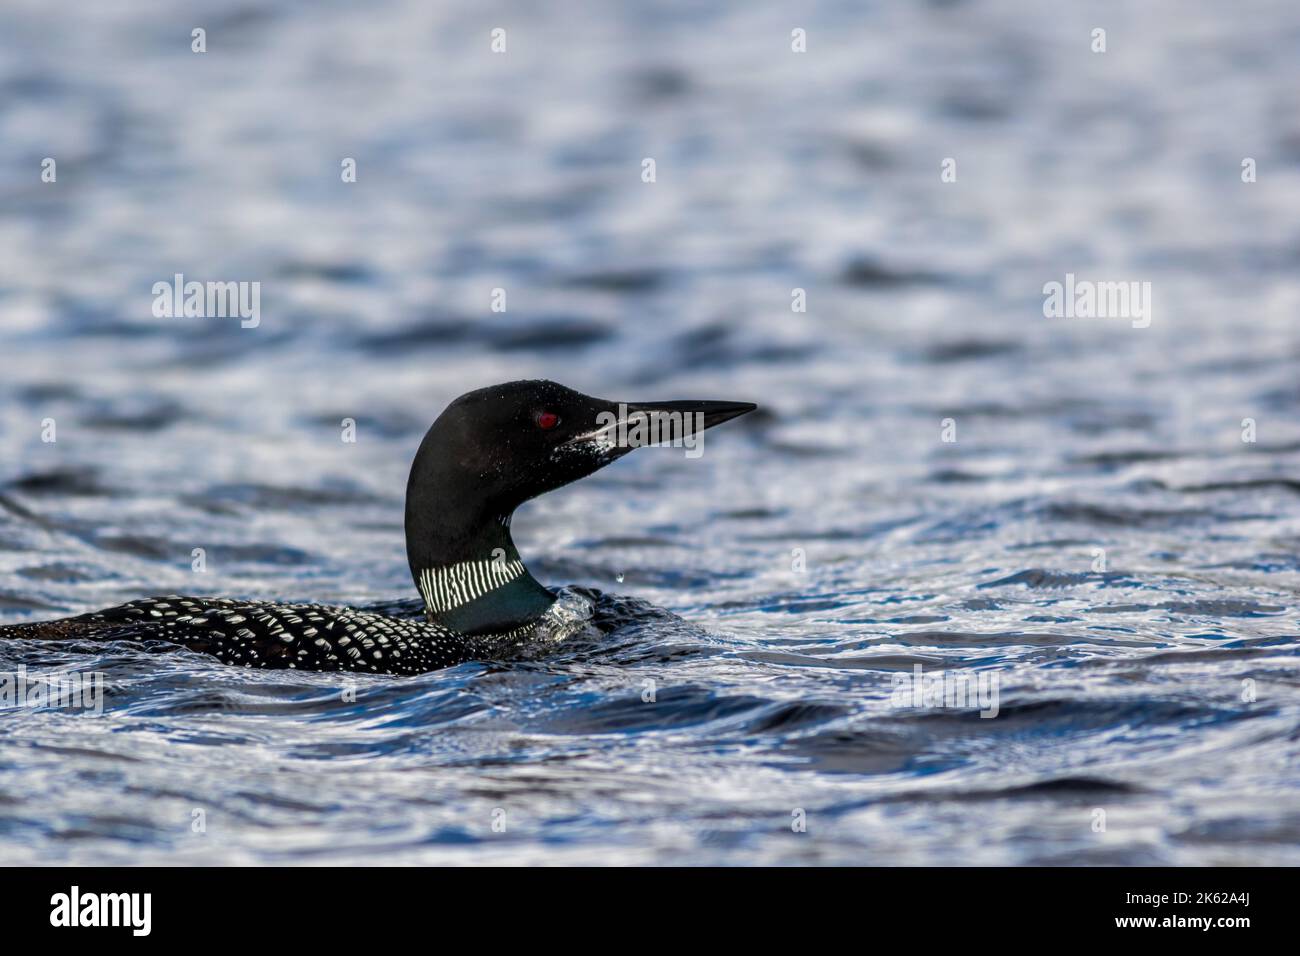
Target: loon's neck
(469,572)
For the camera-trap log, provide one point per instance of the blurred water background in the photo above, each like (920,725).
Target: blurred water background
(1127,690)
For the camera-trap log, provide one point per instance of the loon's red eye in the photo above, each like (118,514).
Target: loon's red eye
(547,420)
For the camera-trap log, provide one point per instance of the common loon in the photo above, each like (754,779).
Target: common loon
(486,454)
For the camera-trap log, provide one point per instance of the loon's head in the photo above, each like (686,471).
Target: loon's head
(495,448)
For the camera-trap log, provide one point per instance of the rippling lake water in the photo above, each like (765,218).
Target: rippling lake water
(1102,537)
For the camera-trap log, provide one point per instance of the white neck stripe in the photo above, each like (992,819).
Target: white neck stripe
(457,584)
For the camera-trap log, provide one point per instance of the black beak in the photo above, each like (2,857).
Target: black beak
(707,414)
(627,426)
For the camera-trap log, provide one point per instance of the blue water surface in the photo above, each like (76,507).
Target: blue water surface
(1112,534)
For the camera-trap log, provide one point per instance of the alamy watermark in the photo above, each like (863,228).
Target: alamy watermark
(952,689)
(637,429)
(208,300)
(1086,299)
(70,689)
(75,908)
